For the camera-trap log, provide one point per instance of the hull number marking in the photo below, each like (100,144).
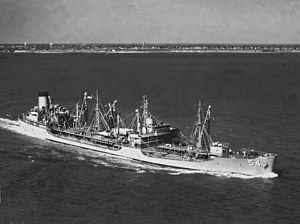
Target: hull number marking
(258,163)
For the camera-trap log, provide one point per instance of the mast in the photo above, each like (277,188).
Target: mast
(97,121)
(203,129)
(118,124)
(145,109)
(138,124)
(77,114)
(208,123)
(199,143)
(84,109)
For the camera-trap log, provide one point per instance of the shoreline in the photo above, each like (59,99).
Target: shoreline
(143,48)
(148,52)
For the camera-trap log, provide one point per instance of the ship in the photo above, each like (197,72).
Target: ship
(145,139)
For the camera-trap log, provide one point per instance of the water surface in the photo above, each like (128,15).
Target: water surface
(255,104)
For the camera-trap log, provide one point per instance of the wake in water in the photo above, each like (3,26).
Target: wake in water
(13,126)
(113,161)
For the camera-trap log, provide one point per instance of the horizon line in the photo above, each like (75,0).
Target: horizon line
(143,43)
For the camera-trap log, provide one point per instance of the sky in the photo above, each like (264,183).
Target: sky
(150,21)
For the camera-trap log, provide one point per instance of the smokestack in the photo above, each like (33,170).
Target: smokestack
(43,100)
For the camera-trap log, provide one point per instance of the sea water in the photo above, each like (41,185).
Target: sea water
(255,104)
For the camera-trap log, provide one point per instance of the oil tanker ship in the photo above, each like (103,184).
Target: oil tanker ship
(145,139)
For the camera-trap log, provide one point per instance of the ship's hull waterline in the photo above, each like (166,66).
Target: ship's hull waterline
(218,164)
(227,165)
